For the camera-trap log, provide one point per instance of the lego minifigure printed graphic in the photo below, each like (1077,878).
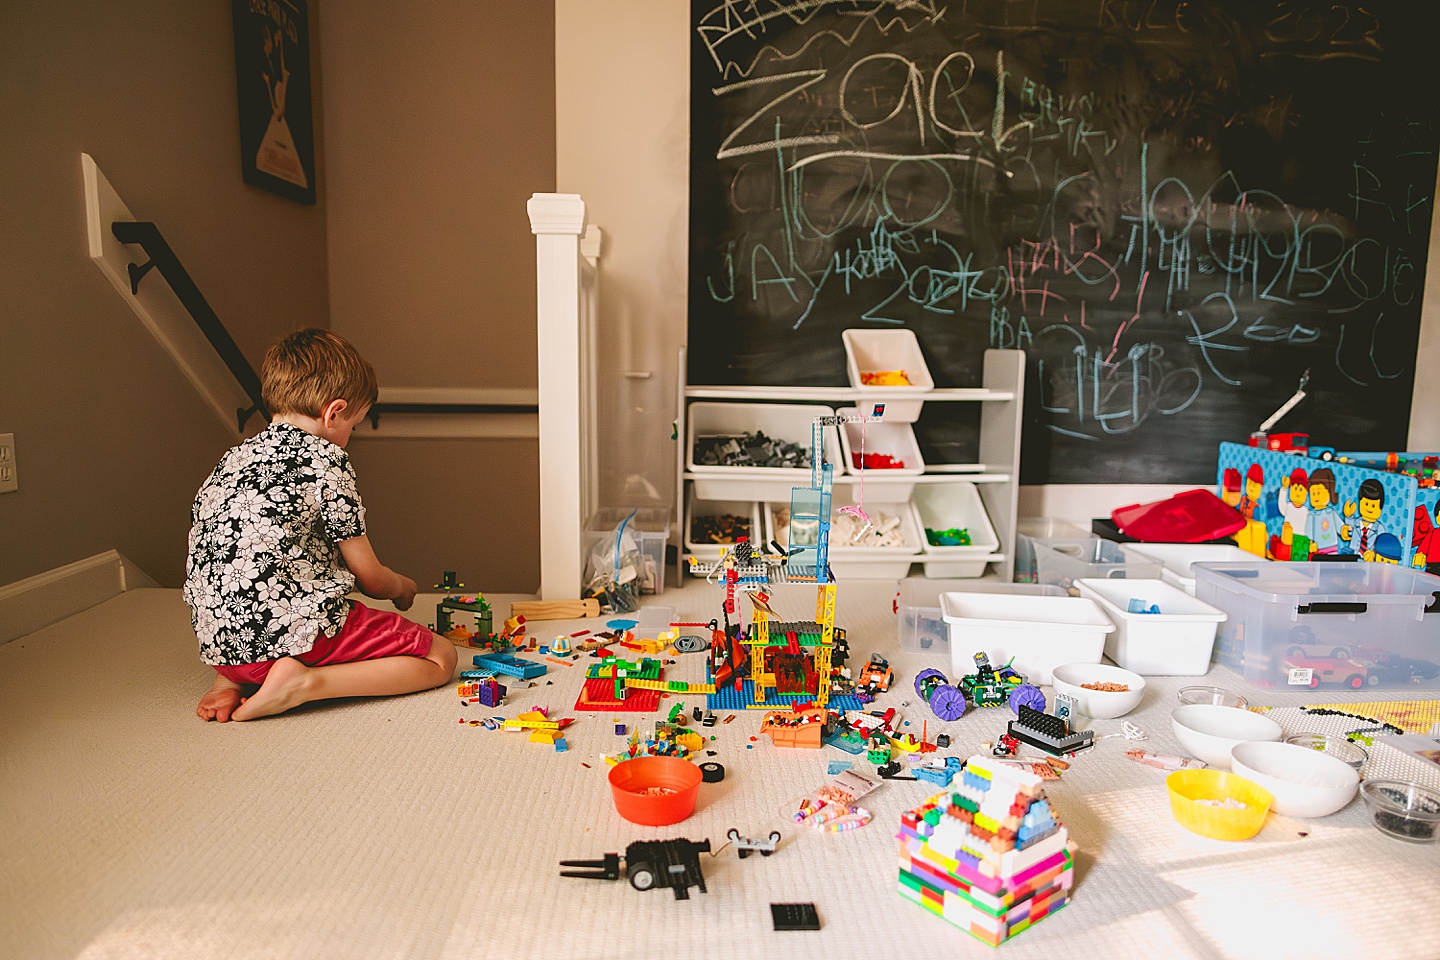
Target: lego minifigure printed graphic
(1361,532)
(1324,529)
(1293,541)
(1426,537)
(1252,507)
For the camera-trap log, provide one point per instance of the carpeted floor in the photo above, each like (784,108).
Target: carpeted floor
(386,828)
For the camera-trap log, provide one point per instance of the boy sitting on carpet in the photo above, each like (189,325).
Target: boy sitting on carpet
(278,541)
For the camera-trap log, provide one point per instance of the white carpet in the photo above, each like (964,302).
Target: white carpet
(385,828)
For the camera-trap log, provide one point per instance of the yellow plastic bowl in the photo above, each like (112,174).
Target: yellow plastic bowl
(1189,787)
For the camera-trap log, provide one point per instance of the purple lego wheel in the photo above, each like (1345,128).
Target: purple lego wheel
(1027,695)
(948,703)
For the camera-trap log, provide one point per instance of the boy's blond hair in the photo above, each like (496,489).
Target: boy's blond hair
(308,369)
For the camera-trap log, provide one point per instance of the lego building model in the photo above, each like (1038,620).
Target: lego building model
(778,663)
(988,854)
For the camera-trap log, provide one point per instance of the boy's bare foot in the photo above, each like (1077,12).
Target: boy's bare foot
(220,700)
(286,686)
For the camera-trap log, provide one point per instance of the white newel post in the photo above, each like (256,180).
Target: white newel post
(558,220)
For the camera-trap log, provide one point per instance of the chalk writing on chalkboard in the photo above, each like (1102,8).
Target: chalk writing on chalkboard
(1174,208)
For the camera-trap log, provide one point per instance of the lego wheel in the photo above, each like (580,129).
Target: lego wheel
(1355,681)
(641,876)
(774,842)
(926,681)
(733,834)
(948,703)
(1341,653)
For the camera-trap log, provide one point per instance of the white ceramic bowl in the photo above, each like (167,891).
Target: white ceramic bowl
(1209,732)
(1304,783)
(1070,679)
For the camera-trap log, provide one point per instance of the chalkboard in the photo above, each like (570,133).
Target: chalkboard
(1174,208)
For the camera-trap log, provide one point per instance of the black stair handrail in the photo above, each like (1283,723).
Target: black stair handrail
(148,237)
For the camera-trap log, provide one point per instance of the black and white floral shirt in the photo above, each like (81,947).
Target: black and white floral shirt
(264,578)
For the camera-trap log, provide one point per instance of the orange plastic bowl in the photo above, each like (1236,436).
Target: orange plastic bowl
(655,791)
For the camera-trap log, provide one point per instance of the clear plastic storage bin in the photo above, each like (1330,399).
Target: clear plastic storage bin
(1062,562)
(651,526)
(1030,529)
(1326,625)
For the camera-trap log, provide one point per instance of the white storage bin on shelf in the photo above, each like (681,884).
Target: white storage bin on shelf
(946,506)
(860,562)
(651,527)
(1039,633)
(881,351)
(1176,559)
(695,508)
(789,422)
(921,626)
(1176,642)
(895,440)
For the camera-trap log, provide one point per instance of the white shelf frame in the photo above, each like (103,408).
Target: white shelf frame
(996,475)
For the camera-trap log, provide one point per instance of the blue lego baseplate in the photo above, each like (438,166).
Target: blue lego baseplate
(728,698)
(511,666)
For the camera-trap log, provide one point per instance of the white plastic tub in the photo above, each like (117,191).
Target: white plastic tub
(848,561)
(896,440)
(789,422)
(921,627)
(1176,642)
(876,351)
(1040,633)
(1176,559)
(942,506)
(695,507)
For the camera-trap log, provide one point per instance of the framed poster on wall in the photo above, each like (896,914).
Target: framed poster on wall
(272,77)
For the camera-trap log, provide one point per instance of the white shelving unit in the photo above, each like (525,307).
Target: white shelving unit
(996,474)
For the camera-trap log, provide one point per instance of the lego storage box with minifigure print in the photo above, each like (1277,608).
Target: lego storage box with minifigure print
(1038,633)
(791,426)
(1326,625)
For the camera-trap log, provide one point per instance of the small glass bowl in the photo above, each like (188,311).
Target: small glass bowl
(1338,747)
(1215,695)
(1403,810)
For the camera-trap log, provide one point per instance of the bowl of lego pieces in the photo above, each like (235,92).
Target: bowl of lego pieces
(1218,804)
(1403,810)
(1101,691)
(655,791)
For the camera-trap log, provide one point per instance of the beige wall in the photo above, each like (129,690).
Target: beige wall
(112,440)
(622,110)
(440,124)
(622,102)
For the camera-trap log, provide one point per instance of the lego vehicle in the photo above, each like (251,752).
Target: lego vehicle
(876,676)
(649,864)
(1392,668)
(1283,442)
(989,686)
(744,846)
(1351,673)
(1303,644)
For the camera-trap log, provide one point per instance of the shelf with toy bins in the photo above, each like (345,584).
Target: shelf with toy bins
(710,410)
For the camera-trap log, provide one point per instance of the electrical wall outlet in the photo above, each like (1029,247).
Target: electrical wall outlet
(9,480)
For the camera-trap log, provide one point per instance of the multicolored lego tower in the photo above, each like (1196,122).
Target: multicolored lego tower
(987,854)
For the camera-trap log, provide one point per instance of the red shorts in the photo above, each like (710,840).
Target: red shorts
(367,635)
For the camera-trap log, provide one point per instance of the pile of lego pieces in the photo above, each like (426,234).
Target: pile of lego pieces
(750,450)
(988,854)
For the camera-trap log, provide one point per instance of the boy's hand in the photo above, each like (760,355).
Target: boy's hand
(406,596)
